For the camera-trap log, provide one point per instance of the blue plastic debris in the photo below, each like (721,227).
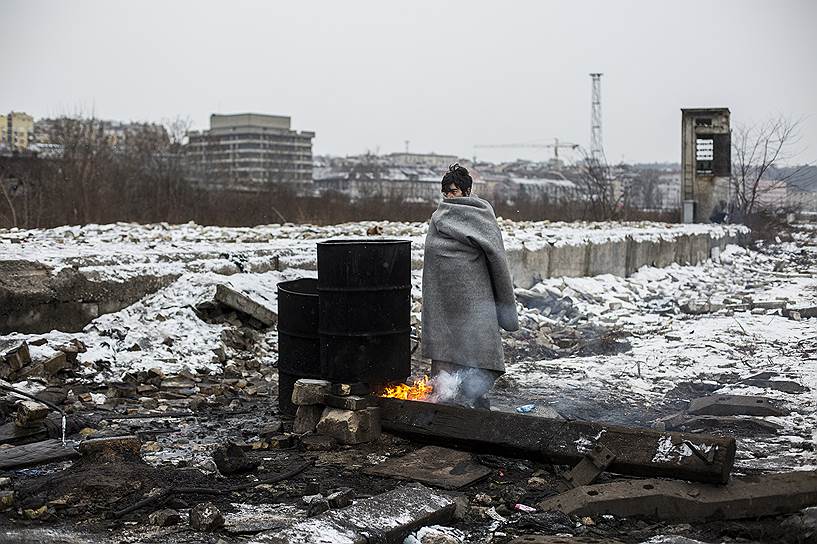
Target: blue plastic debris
(526,408)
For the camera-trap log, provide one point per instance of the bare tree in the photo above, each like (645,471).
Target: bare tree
(758,150)
(9,202)
(603,200)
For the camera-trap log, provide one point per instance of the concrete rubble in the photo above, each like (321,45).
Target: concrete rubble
(173,434)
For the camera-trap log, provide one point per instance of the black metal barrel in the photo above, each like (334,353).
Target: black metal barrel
(298,341)
(364,288)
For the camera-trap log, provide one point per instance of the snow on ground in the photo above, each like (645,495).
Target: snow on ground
(124,250)
(668,347)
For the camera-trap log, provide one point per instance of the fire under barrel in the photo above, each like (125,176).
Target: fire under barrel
(298,341)
(364,288)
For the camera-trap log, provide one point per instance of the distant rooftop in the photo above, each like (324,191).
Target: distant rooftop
(249,120)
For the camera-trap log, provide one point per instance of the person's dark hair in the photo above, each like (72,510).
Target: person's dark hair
(459,176)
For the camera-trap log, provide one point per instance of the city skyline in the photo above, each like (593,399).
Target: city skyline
(365,76)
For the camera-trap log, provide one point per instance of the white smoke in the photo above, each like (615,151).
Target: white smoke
(464,387)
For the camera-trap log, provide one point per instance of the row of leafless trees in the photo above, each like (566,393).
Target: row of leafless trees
(141,177)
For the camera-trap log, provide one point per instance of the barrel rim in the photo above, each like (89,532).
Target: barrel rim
(285,287)
(361,241)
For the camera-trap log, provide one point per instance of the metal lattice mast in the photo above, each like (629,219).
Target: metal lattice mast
(596,145)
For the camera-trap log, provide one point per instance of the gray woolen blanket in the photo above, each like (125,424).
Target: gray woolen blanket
(467,287)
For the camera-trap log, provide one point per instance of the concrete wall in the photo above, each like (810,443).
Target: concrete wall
(617,257)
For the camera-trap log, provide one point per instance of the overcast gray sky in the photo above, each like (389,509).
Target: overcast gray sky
(444,75)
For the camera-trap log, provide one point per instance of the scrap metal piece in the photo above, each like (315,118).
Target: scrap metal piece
(594,462)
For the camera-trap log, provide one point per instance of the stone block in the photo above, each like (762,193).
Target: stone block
(306,418)
(608,258)
(30,413)
(348,427)
(350,402)
(345,389)
(308,391)
(206,517)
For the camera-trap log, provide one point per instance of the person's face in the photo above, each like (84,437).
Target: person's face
(452,192)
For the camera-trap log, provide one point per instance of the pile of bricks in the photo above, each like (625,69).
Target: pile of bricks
(345,412)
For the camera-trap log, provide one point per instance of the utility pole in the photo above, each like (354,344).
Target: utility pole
(596,145)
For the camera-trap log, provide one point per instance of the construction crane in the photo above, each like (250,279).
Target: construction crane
(555,146)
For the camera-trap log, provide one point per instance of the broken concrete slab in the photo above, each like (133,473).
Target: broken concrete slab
(348,427)
(745,497)
(734,405)
(35,298)
(255,518)
(37,453)
(248,303)
(785,386)
(387,517)
(730,424)
(555,539)
(441,467)
(802,312)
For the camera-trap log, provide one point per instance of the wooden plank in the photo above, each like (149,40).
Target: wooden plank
(744,497)
(243,303)
(639,452)
(440,467)
(37,453)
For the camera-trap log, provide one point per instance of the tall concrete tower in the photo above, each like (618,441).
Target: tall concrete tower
(596,145)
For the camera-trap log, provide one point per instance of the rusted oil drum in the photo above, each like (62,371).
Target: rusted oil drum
(298,341)
(364,288)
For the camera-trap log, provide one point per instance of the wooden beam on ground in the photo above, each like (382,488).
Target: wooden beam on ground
(37,453)
(639,452)
(744,497)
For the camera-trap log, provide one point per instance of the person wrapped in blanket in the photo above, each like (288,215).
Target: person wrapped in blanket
(467,292)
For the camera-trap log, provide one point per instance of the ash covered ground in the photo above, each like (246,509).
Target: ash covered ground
(188,376)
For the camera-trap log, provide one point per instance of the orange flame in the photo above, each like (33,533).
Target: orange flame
(420,390)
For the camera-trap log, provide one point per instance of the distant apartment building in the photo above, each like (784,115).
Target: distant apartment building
(115,133)
(16,131)
(424,160)
(249,148)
